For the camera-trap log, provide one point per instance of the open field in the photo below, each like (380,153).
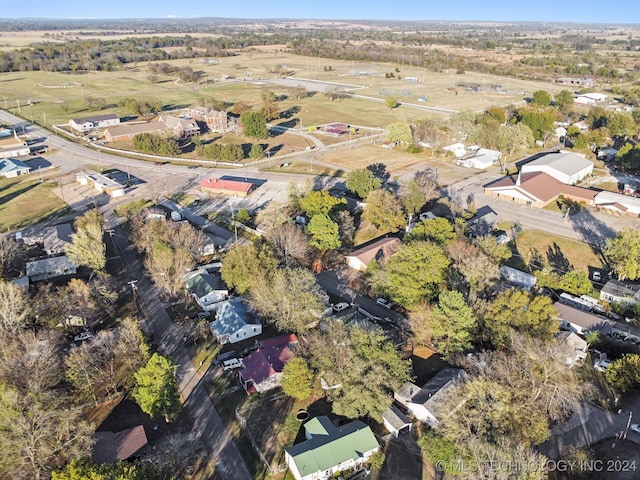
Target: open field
(27,202)
(61,96)
(579,255)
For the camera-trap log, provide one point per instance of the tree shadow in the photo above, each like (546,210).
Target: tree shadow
(557,260)
(591,229)
(379,170)
(17,193)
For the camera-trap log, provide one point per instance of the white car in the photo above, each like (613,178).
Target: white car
(601,365)
(86,335)
(340,307)
(232,363)
(635,427)
(383,302)
(596,276)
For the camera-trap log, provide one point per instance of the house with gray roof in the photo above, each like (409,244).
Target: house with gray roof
(53,239)
(579,321)
(207,289)
(50,268)
(518,277)
(329,449)
(85,124)
(234,322)
(428,404)
(395,421)
(617,204)
(11,168)
(624,293)
(566,167)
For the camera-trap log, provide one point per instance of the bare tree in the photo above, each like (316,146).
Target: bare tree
(8,253)
(288,242)
(15,307)
(427,180)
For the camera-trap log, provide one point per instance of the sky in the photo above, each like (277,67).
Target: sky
(590,11)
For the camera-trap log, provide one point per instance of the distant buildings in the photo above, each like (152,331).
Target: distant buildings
(218,186)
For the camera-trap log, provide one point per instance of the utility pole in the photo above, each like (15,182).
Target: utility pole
(18,103)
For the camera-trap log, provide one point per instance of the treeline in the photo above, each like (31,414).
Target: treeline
(156,144)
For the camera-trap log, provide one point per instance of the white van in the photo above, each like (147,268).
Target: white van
(232,363)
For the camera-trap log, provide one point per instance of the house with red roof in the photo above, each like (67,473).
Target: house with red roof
(263,368)
(219,186)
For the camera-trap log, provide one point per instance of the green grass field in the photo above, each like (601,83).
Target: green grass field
(27,201)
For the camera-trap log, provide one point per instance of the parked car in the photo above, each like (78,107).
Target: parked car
(383,302)
(635,427)
(597,277)
(225,356)
(86,335)
(340,307)
(601,365)
(232,364)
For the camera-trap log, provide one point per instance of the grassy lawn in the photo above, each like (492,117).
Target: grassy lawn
(27,201)
(133,208)
(577,254)
(608,186)
(562,204)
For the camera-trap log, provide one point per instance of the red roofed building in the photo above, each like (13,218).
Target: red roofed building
(227,187)
(263,368)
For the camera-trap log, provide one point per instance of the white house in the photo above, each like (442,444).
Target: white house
(206,289)
(580,321)
(381,249)
(576,348)
(11,168)
(329,449)
(427,403)
(616,203)
(85,124)
(518,277)
(568,168)
(590,98)
(615,291)
(234,322)
(458,149)
(480,158)
(395,421)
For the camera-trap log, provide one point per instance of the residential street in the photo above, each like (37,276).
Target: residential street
(207,424)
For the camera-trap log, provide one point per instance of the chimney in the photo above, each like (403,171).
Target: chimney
(518,179)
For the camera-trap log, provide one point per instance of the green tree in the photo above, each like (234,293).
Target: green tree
(514,138)
(245,265)
(384,211)
(243,216)
(412,197)
(452,323)
(391,102)
(622,124)
(325,233)
(399,132)
(257,151)
(87,469)
(624,373)
(623,253)
(156,390)
(497,252)
(437,230)
(297,379)
(291,299)
(427,180)
(563,100)
(413,274)
(364,367)
(255,124)
(497,114)
(539,121)
(529,314)
(86,247)
(541,98)
(362,182)
(320,202)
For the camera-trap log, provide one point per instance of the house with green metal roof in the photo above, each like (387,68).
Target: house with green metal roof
(329,449)
(206,289)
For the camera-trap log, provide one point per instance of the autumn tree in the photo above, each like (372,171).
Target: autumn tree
(399,132)
(497,252)
(541,98)
(563,100)
(320,202)
(530,314)
(156,389)
(297,379)
(477,269)
(244,265)
(452,323)
(622,124)
(290,298)
(9,252)
(87,468)
(384,211)
(427,180)
(412,197)
(413,274)
(346,227)
(391,102)
(362,182)
(87,247)
(364,368)
(623,253)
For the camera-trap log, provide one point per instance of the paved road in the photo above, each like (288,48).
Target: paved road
(207,424)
